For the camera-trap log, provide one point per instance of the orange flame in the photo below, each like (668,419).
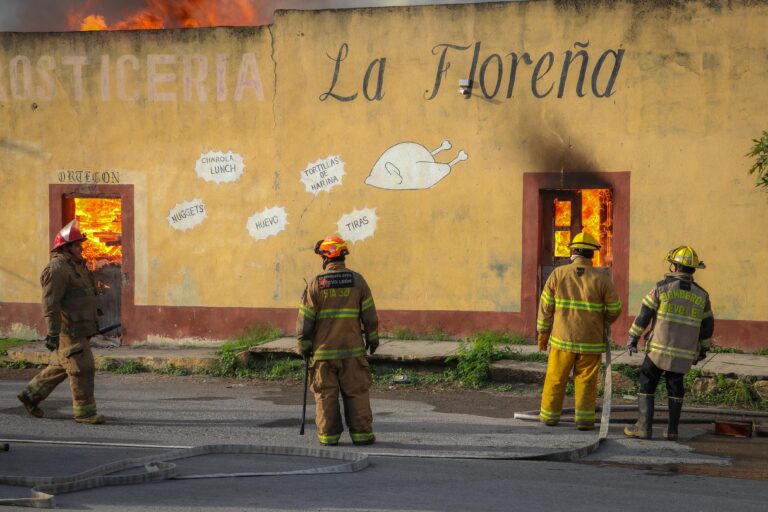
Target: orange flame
(101,221)
(596,215)
(171,14)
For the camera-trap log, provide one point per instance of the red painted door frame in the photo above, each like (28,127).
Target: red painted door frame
(58,192)
(533,184)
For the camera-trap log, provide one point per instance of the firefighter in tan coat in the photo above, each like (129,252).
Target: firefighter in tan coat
(335,315)
(681,325)
(69,307)
(577,306)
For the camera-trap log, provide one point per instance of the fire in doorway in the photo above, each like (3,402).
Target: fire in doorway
(101,221)
(564,213)
(595,207)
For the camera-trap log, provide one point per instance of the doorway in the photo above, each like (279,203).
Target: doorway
(565,213)
(100,220)
(105,214)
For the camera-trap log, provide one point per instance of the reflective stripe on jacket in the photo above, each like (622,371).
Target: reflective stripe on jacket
(577,302)
(69,297)
(335,312)
(684,322)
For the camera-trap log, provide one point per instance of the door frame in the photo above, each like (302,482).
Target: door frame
(56,194)
(533,184)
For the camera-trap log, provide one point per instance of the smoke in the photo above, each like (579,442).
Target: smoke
(67,15)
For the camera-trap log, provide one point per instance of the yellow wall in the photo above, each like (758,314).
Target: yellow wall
(686,103)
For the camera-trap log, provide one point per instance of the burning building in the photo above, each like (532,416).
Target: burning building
(204,163)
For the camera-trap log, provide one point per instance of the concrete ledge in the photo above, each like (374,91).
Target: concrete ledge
(154,358)
(518,371)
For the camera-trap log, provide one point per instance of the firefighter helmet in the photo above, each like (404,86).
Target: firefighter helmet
(68,234)
(331,247)
(685,256)
(584,241)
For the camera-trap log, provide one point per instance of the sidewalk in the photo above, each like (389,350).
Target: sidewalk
(406,352)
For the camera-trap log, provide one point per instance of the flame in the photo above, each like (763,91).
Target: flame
(596,218)
(101,221)
(171,14)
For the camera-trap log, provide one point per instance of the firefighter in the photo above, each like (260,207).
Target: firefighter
(335,315)
(576,308)
(679,314)
(69,307)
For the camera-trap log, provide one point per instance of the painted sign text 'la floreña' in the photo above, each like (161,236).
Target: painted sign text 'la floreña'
(495,71)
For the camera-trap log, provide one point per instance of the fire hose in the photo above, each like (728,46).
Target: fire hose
(159,467)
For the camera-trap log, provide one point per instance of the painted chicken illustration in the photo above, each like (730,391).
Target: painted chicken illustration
(411,166)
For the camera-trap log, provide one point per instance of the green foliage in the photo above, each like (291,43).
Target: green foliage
(402,333)
(6,343)
(759,152)
(630,372)
(762,352)
(474,357)
(256,335)
(436,334)
(569,388)
(19,365)
(714,349)
(731,392)
(172,369)
(285,369)
(123,368)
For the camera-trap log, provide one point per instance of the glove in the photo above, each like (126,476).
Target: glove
(371,346)
(305,348)
(632,344)
(52,342)
(543,339)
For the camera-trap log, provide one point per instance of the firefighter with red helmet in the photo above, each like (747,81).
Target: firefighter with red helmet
(69,307)
(337,323)
(577,305)
(681,323)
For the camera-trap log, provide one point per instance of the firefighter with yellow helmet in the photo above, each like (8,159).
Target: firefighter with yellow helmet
(577,305)
(335,315)
(681,323)
(69,307)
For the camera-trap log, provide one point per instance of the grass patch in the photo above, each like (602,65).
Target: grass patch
(762,352)
(714,349)
(123,368)
(403,333)
(256,335)
(475,354)
(6,343)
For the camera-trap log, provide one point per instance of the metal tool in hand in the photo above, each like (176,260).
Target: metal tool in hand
(304,407)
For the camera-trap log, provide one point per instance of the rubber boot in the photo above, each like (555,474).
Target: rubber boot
(30,405)
(643,429)
(675,408)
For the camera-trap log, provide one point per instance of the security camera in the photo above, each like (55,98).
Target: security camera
(465,87)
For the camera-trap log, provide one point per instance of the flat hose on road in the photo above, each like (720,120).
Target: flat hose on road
(159,467)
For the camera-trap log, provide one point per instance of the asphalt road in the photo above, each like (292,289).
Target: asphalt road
(403,475)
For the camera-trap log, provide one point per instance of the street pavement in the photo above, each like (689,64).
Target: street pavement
(410,352)
(423,459)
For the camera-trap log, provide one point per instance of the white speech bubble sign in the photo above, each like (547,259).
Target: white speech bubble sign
(323,175)
(357,225)
(220,167)
(271,221)
(187,215)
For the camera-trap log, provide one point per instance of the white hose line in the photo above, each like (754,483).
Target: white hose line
(157,467)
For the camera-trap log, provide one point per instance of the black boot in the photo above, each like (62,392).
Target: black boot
(675,408)
(643,429)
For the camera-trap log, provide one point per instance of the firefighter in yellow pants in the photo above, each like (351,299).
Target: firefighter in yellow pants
(335,314)
(577,304)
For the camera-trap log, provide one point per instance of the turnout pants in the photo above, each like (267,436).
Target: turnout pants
(650,374)
(352,378)
(73,359)
(586,368)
